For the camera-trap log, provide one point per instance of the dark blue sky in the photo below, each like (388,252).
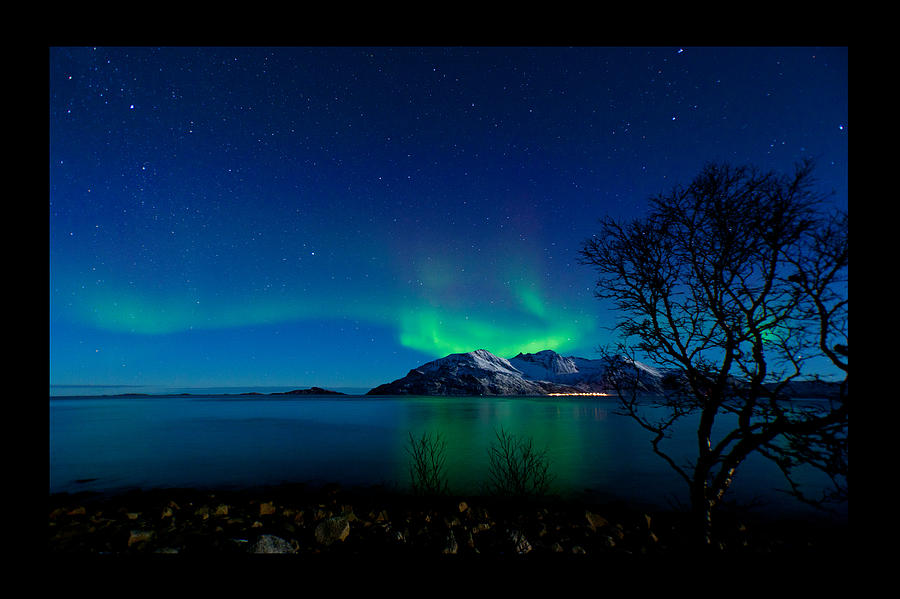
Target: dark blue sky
(336,216)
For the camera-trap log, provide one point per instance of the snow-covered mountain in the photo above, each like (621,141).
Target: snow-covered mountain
(482,373)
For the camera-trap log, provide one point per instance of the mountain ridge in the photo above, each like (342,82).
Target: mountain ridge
(480,372)
(543,373)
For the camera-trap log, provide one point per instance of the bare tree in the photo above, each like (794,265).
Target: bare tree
(516,468)
(736,286)
(427,457)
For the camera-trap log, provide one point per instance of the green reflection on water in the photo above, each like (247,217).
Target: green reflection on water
(566,428)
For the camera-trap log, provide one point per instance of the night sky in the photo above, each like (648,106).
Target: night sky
(290,217)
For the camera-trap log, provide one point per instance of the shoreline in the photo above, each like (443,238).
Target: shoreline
(302,521)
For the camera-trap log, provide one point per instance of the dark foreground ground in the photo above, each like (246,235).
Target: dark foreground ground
(306,526)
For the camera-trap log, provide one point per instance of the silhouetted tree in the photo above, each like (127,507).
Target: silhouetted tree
(427,457)
(516,468)
(734,285)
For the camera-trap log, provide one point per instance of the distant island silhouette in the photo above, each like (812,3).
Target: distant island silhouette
(310,391)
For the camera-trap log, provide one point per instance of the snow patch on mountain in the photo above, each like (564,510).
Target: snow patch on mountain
(544,365)
(482,373)
(480,359)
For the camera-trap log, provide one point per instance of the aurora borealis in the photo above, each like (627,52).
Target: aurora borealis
(269,217)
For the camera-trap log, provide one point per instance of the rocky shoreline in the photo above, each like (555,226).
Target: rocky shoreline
(298,521)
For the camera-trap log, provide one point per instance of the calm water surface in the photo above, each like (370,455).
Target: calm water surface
(111,444)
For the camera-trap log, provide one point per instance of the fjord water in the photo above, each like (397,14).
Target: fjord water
(116,443)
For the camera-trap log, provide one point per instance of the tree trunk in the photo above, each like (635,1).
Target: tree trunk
(701,508)
(701,501)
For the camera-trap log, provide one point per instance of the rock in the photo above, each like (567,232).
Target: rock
(266,508)
(450,546)
(463,506)
(272,544)
(578,550)
(556,548)
(520,543)
(607,541)
(481,527)
(332,529)
(595,521)
(470,540)
(79,511)
(221,510)
(139,536)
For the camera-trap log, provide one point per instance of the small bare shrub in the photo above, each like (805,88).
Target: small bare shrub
(426,464)
(516,468)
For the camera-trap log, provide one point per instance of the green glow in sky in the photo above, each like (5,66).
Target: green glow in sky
(427,328)
(440,333)
(127,311)
(443,304)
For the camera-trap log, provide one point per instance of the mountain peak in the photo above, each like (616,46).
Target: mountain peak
(480,359)
(543,353)
(545,365)
(480,372)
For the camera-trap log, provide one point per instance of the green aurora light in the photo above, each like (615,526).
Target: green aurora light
(530,326)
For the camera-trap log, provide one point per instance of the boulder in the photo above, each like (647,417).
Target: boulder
(607,541)
(272,544)
(139,536)
(595,521)
(450,545)
(520,543)
(332,530)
